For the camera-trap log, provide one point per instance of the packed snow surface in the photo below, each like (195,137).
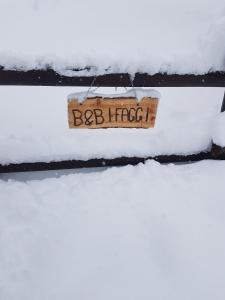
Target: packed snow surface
(138,93)
(34,126)
(219,130)
(146,232)
(181,36)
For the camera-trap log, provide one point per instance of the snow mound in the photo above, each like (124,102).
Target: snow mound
(170,36)
(219,130)
(137,93)
(144,232)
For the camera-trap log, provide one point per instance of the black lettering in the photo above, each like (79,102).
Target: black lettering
(77,115)
(138,118)
(99,119)
(147,114)
(117,114)
(130,116)
(88,115)
(110,115)
(124,114)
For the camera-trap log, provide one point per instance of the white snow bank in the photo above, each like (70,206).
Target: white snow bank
(137,93)
(219,130)
(151,36)
(34,127)
(144,232)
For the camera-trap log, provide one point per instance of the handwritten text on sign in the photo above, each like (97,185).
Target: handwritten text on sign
(100,112)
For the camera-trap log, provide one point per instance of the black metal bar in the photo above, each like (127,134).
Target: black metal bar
(121,161)
(49,77)
(223,104)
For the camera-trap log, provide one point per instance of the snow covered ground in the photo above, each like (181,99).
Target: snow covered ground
(146,232)
(180,36)
(34,127)
(149,231)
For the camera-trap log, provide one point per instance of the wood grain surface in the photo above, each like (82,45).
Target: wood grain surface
(115,112)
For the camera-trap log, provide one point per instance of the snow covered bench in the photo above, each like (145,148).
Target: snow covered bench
(50,77)
(56,47)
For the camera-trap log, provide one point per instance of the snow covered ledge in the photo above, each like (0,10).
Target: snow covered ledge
(137,93)
(218,148)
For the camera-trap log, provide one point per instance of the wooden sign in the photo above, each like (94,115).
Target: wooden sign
(99,112)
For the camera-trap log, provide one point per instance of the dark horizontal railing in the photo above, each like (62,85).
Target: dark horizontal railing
(49,77)
(120,161)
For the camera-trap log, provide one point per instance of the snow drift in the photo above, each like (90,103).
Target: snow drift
(145,232)
(150,36)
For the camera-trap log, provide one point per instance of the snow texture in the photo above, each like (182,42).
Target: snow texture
(34,127)
(174,36)
(138,93)
(219,130)
(145,232)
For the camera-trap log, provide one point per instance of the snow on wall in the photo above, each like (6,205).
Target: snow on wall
(219,130)
(34,128)
(154,36)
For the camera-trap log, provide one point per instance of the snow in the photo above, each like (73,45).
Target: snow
(218,130)
(118,36)
(146,232)
(34,127)
(138,93)
(149,231)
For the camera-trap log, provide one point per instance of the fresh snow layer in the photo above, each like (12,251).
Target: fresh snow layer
(219,130)
(174,36)
(34,126)
(145,232)
(138,93)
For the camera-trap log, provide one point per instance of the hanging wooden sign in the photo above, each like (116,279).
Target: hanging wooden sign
(116,112)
